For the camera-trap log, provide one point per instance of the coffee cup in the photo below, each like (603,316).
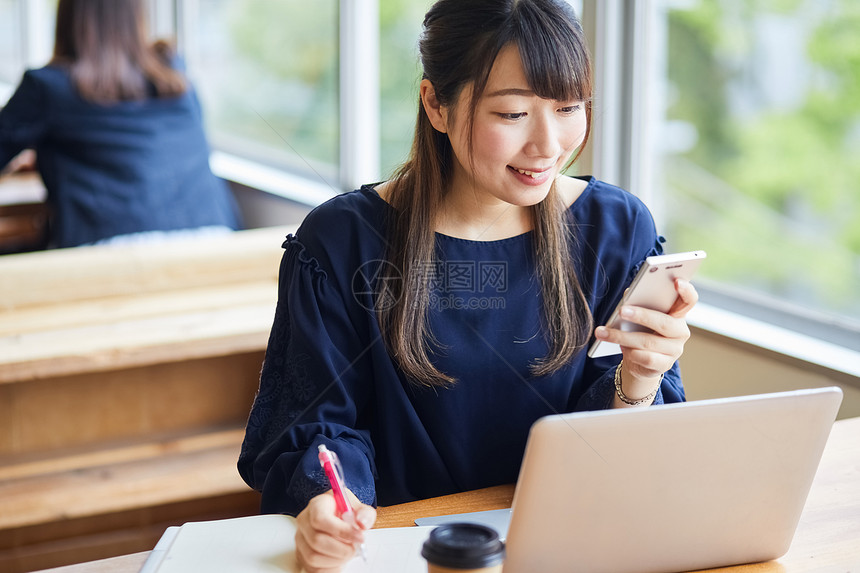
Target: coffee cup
(463,548)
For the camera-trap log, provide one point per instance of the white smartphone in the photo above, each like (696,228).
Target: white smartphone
(654,288)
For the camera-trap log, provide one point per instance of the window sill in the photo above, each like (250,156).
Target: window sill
(813,352)
(270,180)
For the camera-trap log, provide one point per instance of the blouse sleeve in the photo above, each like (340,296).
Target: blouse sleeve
(645,242)
(23,120)
(313,386)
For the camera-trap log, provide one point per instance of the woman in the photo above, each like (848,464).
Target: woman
(424,323)
(117,131)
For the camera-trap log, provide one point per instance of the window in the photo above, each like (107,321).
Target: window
(26,39)
(11,57)
(400,74)
(267,75)
(755,149)
(737,122)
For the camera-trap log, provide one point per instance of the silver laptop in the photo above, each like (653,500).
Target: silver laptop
(668,488)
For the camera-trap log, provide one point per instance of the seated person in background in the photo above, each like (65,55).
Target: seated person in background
(118,132)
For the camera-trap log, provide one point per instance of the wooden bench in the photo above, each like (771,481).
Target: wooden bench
(126,377)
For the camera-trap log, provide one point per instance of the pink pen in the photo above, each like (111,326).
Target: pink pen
(334,472)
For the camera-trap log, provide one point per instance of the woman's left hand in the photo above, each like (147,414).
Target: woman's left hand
(647,355)
(24,161)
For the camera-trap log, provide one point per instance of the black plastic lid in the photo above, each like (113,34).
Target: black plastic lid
(463,546)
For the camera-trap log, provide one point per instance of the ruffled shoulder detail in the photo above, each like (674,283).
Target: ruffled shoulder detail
(292,243)
(657,249)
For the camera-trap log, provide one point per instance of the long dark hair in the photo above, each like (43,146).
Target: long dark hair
(104,44)
(459,44)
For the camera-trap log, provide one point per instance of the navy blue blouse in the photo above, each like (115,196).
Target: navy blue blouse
(328,379)
(116,169)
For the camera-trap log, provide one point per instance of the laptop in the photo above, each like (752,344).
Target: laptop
(669,488)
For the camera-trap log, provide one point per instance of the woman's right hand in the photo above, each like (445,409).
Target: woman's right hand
(324,541)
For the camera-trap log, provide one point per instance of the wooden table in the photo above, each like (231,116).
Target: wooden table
(23,213)
(827,538)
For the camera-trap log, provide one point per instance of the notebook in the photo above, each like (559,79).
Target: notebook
(266,544)
(669,488)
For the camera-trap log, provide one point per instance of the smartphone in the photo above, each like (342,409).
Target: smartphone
(654,288)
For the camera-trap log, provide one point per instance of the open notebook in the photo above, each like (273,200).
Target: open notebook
(266,544)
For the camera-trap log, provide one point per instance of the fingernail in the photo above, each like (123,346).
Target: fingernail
(600,332)
(626,312)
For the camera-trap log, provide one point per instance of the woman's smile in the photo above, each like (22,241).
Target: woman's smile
(534,176)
